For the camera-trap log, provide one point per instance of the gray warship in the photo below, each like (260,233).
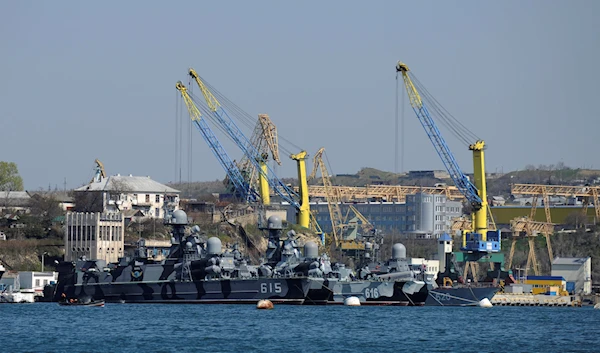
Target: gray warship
(377,283)
(451,289)
(195,271)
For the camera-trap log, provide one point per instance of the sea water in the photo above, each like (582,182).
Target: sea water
(48,327)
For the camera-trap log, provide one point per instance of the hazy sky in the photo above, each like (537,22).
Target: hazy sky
(82,80)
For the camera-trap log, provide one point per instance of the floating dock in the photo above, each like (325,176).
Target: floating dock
(506,299)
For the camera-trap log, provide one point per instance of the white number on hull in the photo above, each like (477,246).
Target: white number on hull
(270,287)
(371,293)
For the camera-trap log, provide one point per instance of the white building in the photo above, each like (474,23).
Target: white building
(98,236)
(14,201)
(36,280)
(576,271)
(125,193)
(432,267)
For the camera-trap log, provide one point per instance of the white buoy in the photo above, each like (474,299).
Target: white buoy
(352,301)
(597,306)
(264,304)
(485,303)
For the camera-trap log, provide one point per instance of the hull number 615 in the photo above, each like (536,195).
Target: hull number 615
(270,287)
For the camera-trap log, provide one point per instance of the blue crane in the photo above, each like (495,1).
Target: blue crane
(229,126)
(242,189)
(477,239)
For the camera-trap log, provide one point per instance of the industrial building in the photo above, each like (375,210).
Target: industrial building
(94,235)
(577,273)
(421,216)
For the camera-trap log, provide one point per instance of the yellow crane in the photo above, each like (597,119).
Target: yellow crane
(532,228)
(589,194)
(333,200)
(225,122)
(365,223)
(339,224)
(264,139)
(100,173)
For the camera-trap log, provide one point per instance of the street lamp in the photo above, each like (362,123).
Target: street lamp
(43,255)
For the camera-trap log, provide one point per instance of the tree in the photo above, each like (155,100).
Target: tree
(10,180)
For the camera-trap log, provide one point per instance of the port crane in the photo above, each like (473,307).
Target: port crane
(533,227)
(588,193)
(226,123)
(479,241)
(339,224)
(100,172)
(243,189)
(264,139)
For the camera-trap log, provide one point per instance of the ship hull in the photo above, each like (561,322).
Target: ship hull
(382,293)
(459,296)
(233,291)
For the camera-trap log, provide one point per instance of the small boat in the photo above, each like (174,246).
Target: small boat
(81,303)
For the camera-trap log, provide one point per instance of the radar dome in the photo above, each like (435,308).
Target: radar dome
(311,250)
(179,217)
(213,246)
(398,251)
(274,222)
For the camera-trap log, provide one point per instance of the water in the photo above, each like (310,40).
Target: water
(47,327)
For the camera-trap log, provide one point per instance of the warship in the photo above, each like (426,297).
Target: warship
(382,283)
(195,271)
(388,282)
(450,288)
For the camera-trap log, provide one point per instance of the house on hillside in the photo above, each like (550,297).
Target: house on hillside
(14,201)
(138,194)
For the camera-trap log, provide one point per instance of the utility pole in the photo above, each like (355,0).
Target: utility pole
(43,255)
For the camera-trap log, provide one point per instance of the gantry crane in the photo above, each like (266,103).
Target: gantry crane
(589,194)
(243,190)
(532,228)
(385,192)
(479,241)
(227,124)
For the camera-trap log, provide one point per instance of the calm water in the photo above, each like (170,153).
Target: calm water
(46,327)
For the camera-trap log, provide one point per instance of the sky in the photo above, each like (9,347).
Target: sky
(86,80)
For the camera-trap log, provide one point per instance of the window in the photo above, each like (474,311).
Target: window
(157,198)
(147,197)
(37,282)
(157,212)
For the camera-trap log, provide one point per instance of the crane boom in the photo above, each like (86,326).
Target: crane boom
(333,200)
(460,179)
(242,188)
